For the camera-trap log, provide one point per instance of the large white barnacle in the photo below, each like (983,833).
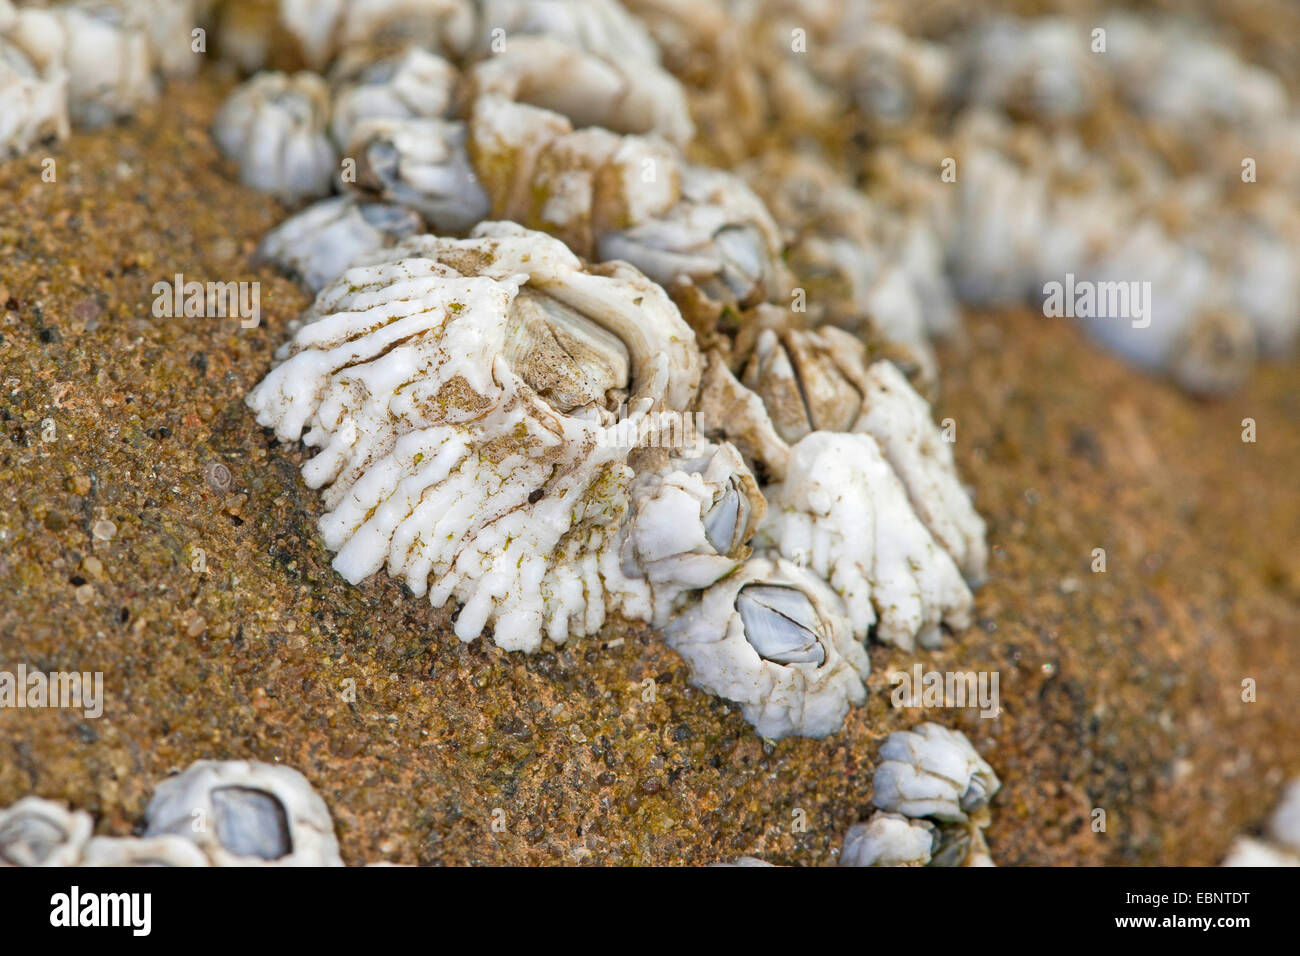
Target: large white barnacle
(719,237)
(413,84)
(602,27)
(33,88)
(931,771)
(889,839)
(274,127)
(691,520)
(773,638)
(317,244)
(38,832)
(463,396)
(576,185)
(625,97)
(421,163)
(844,511)
(241,812)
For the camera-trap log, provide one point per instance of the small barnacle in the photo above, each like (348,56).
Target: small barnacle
(773,638)
(420,163)
(576,185)
(167,849)
(37,832)
(931,771)
(413,84)
(621,96)
(240,812)
(274,128)
(719,237)
(895,82)
(317,244)
(444,383)
(691,521)
(33,90)
(889,839)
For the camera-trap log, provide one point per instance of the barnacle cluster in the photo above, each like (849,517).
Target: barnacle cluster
(587,388)
(85,62)
(216,813)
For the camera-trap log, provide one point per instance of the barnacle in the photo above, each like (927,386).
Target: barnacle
(317,244)
(625,97)
(238,812)
(462,394)
(772,637)
(889,839)
(842,509)
(933,772)
(420,163)
(576,185)
(719,237)
(602,27)
(413,84)
(37,832)
(274,128)
(167,849)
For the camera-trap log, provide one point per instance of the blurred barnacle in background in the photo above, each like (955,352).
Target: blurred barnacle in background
(37,832)
(275,128)
(1279,845)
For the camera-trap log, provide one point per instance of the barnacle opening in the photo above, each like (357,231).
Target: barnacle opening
(579,367)
(781,624)
(251,823)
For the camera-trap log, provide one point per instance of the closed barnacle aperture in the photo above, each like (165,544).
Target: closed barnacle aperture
(933,772)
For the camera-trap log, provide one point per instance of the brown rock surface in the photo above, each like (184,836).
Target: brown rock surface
(1119,690)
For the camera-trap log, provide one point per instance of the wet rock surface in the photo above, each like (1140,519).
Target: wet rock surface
(149,529)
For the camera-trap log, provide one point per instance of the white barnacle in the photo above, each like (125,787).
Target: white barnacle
(461,395)
(274,127)
(691,521)
(773,637)
(413,84)
(844,510)
(420,163)
(719,237)
(38,832)
(239,813)
(889,839)
(1039,69)
(33,85)
(931,771)
(621,96)
(577,185)
(317,244)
